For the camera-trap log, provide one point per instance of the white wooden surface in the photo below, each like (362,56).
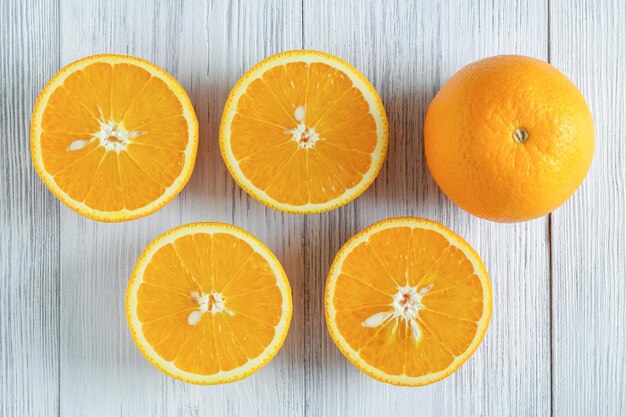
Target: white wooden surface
(557,341)
(589,233)
(29,220)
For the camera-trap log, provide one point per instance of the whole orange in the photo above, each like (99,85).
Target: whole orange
(509,138)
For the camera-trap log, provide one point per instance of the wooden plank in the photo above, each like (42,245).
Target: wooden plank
(408,50)
(587,43)
(207,47)
(29,218)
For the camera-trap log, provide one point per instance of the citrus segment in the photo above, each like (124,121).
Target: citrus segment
(208,303)
(303,132)
(407,301)
(114,137)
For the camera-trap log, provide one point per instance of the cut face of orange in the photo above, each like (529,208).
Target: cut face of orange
(208,303)
(114,137)
(304,132)
(407,301)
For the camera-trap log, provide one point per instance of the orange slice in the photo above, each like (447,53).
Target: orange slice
(407,301)
(114,137)
(304,132)
(208,303)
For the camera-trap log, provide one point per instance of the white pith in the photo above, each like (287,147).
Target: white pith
(112,136)
(405,306)
(212,303)
(304,136)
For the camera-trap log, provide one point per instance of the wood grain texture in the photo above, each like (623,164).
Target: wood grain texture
(588,43)
(65,349)
(408,50)
(206,47)
(29,219)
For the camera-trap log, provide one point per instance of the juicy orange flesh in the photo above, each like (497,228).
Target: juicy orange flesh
(125,94)
(371,275)
(203,263)
(262,142)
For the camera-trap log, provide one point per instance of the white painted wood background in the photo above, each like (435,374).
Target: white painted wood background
(556,345)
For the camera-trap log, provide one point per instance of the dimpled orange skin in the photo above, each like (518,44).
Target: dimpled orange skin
(472,151)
